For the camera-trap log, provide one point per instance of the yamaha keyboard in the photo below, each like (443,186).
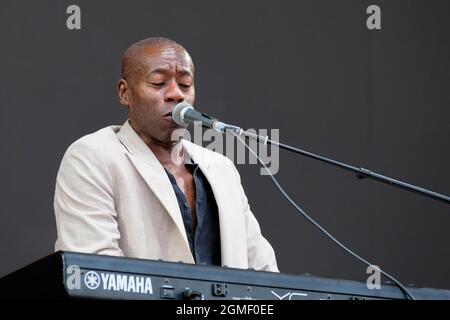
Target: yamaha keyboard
(65,275)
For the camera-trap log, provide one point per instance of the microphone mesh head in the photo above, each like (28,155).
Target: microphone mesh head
(177,112)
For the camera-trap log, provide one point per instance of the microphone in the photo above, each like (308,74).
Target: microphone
(185,114)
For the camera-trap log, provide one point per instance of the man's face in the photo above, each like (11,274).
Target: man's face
(164,79)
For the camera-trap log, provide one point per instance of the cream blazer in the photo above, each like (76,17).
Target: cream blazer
(113,197)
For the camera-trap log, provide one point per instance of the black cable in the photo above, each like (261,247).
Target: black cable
(321,229)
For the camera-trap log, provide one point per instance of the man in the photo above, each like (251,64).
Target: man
(127,191)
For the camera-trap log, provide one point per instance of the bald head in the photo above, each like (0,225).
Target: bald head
(135,58)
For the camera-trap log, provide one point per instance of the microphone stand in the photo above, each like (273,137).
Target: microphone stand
(361,173)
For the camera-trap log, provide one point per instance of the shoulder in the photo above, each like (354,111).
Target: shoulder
(98,144)
(99,138)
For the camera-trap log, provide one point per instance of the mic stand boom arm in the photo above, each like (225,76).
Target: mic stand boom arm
(361,173)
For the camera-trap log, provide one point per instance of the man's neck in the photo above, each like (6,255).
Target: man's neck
(171,158)
(170,155)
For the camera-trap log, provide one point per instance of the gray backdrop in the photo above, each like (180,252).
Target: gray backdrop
(373,98)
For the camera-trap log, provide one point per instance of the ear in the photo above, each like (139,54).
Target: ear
(122,90)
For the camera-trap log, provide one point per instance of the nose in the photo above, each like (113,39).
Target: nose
(174,93)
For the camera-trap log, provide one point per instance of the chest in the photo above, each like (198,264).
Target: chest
(185,181)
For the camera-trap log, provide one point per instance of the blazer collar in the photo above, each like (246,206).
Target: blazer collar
(135,145)
(151,170)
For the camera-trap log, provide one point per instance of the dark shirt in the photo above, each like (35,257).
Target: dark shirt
(204,241)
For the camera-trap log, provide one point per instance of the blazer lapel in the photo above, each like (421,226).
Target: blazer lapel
(229,227)
(153,174)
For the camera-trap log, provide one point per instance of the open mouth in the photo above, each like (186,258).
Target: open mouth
(169,113)
(168,117)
